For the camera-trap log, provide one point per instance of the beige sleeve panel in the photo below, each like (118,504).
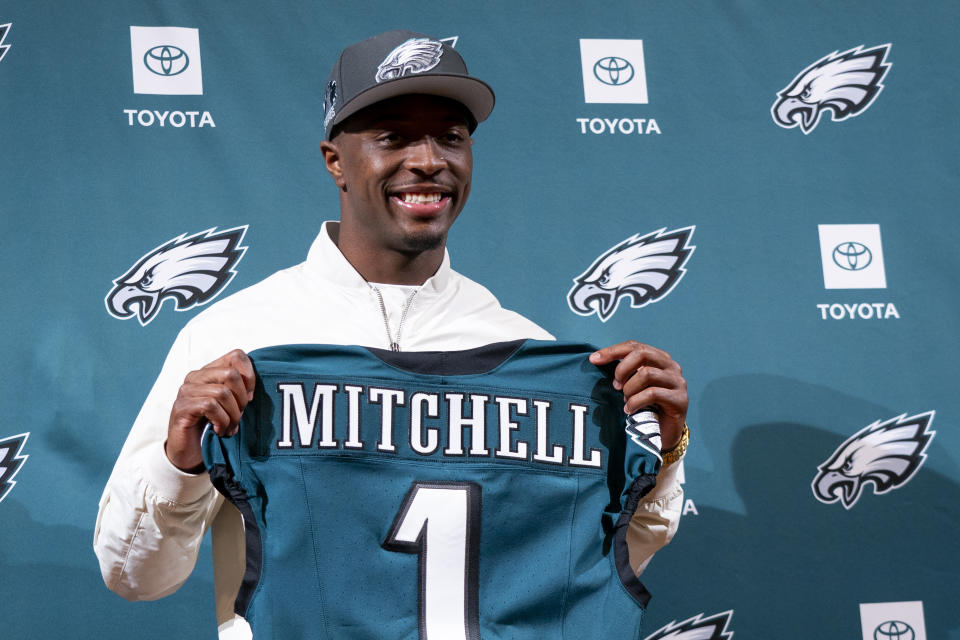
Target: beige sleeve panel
(656,519)
(152,516)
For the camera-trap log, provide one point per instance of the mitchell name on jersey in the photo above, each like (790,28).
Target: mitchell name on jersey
(471,424)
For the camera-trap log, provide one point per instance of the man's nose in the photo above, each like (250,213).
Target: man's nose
(425,156)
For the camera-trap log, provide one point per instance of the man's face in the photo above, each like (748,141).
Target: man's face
(406,164)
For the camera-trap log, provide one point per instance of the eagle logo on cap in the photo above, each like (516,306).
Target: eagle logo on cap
(416,55)
(330,102)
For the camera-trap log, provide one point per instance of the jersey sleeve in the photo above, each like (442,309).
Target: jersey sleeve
(222,460)
(641,464)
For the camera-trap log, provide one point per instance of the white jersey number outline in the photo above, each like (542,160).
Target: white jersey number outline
(440,523)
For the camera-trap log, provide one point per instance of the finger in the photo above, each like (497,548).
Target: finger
(194,412)
(622,349)
(613,352)
(652,377)
(199,382)
(668,401)
(643,356)
(241,362)
(235,359)
(225,397)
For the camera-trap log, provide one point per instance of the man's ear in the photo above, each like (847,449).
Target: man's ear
(331,160)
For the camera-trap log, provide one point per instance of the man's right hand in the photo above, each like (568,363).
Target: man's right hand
(218,394)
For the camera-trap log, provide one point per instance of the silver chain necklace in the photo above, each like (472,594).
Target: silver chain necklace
(394,344)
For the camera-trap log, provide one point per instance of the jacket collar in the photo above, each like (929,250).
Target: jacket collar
(325,261)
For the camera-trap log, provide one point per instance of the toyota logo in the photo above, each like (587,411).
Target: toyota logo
(894,630)
(613,70)
(852,256)
(166,60)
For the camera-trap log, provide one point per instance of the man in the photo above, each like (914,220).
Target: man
(400,109)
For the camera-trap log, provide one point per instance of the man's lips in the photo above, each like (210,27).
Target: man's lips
(421,201)
(419,198)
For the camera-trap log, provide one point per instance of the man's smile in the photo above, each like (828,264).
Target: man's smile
(422,200)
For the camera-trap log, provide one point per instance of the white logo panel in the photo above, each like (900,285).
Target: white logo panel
(893,621)
(852,256)
(613,71)
(166,60)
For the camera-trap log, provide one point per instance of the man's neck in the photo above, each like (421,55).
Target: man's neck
(386,266)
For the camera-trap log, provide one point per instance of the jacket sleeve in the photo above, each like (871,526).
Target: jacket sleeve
(656,519)
(152,516)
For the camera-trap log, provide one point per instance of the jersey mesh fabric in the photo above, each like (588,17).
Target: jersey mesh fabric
(537,547)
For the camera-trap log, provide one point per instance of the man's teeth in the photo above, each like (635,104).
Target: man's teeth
(421,198)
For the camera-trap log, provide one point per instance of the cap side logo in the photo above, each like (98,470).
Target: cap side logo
(330,102)
(416,55)
(844,84)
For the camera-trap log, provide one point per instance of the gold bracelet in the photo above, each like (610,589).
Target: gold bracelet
(676,452)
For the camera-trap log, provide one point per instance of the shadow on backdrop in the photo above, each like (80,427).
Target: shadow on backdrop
(64,594)
(792,567)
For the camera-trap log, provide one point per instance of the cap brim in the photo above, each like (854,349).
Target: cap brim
(475,95)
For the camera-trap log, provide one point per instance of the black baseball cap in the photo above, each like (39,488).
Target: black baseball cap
(398,63)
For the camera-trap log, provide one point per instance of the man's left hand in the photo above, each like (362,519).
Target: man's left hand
(649,377)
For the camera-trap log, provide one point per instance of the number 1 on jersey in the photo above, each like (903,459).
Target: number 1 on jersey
(440,522)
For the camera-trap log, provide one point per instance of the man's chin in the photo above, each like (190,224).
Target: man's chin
(423,241)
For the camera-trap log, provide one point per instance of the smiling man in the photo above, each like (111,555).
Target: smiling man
(400,111)
(403,167)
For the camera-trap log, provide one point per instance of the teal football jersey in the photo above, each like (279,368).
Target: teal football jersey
(437,495)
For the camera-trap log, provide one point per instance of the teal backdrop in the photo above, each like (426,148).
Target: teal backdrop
(783,371)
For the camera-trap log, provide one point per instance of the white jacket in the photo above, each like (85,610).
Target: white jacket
(153,516)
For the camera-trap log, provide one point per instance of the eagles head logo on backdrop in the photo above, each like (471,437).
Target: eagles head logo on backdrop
(641,268)
(189,270)
(844,84)
(886,454)
(697,628)
(11,460)
(3,34)
(416,55)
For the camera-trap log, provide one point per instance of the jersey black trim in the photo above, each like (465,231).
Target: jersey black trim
(221,476)
(450,363)
(621,555)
